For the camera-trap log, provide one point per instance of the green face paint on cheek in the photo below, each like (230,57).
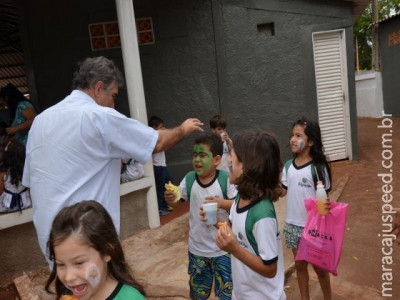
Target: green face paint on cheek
(202,159)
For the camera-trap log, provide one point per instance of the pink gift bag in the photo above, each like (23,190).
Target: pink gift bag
(322,238)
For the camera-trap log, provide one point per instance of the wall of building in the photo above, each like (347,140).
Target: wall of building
(369,95)
(254,80)
(209,57)
(179,69)
(389,45)
(55,38)
(268,82)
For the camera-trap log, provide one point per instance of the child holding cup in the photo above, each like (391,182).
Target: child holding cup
(207,263)
(218,128)
(252,237)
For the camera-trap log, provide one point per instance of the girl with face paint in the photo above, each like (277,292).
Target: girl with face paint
(253,238)
(298,183)
(88,258)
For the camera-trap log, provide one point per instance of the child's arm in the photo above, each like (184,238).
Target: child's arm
(283,183)
(227,139)
(226,241)
(283,191)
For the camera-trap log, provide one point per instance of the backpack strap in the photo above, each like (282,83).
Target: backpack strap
(222,180)
(314,174)
(190,178)
(320,170)
(287,165)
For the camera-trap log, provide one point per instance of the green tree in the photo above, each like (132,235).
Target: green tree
(363,29)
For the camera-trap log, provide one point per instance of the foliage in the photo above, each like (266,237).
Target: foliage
(363,29)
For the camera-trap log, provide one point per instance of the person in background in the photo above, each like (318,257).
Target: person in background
(218,128)
(88,258)
(75,147)
(131,170)
(161,173)
(13,195)
(22,112)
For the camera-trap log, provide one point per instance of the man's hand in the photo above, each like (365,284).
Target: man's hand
(190,125)
(168,138)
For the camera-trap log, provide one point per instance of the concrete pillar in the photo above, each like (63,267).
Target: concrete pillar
(135,90)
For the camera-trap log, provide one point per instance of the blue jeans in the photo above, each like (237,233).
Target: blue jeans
(162,176)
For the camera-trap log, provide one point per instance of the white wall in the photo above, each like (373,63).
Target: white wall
(369,95)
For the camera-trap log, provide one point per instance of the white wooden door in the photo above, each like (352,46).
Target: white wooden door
(332,92)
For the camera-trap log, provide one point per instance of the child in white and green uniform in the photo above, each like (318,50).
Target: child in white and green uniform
(207,263)
(254,240)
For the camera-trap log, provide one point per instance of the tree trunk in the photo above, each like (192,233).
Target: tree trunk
(375,37)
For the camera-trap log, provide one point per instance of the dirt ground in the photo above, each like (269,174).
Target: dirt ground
(360,272)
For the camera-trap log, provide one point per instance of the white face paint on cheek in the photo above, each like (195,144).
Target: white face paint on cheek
(93,275)
(301,144)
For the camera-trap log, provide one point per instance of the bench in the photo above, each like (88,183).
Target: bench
(17,218)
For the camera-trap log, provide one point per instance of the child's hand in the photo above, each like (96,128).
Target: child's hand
(172,189)
(169,197)
(328,205)
(202,214)
(225,138)
(211,199)
(203,218)
(226,239)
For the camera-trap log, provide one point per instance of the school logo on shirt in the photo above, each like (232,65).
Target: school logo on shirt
(242,243)
(304,183)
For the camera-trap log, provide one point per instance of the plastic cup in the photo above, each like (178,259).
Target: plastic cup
(211,212)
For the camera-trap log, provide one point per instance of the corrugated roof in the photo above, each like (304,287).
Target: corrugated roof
(12,66)
(390,17)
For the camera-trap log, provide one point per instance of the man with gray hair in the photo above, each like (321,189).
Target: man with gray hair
(75,147)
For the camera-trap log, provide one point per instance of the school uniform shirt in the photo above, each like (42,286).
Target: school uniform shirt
(256,229)
(159,159)
(133,170)
(299,183)
(224,159)
(125,292)
(74,153)
(202,237)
